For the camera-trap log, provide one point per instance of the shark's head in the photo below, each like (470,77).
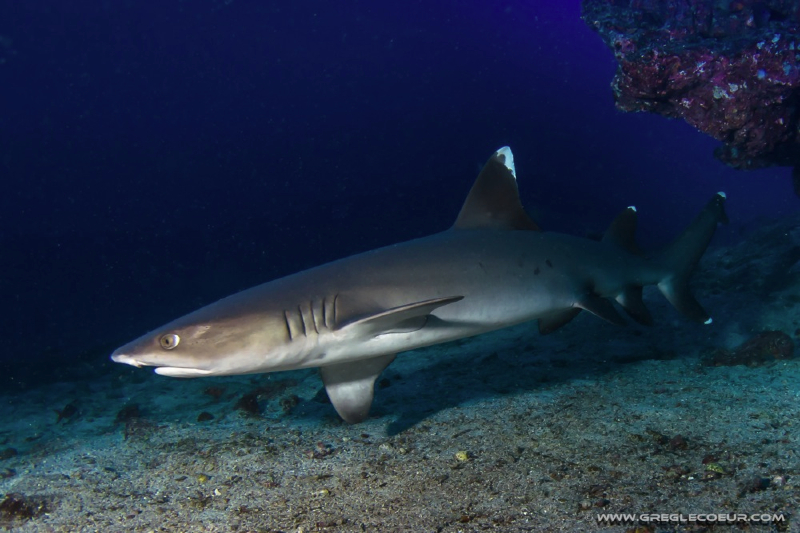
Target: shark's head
(215,340)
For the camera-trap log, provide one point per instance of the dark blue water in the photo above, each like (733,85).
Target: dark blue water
(159,155)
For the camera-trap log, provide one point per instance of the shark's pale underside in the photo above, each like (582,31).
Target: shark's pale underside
(494,268)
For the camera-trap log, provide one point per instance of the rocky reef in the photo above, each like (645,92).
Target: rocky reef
(766,347)
(728,68)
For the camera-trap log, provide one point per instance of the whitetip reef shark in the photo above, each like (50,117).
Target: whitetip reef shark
(492,269)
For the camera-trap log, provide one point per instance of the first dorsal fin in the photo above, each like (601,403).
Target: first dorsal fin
(493,202)
(622,231)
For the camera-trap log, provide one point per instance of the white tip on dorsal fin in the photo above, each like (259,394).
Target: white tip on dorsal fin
(493,202)
(508,159)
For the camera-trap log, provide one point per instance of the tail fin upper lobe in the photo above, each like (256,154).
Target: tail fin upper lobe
(680,258)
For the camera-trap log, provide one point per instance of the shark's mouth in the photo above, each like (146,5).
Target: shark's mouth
(172,371)
(178,372)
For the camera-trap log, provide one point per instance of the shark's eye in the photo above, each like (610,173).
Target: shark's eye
(169,341)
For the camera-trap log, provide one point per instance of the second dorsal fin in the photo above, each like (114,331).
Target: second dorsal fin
(622,231)
(493,202)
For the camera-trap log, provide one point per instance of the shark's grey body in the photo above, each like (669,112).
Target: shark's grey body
(493,269)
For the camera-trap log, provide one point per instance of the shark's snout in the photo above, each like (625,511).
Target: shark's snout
(127,359)
(122,355)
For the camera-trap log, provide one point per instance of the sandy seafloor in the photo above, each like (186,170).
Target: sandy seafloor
(591,419)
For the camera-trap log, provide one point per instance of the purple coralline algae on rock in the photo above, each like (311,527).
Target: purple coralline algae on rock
(729,68)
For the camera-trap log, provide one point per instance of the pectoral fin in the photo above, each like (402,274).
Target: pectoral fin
(402,319)
(350,386)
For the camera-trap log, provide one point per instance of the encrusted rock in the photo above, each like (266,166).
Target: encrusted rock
(730,69)
(765,347)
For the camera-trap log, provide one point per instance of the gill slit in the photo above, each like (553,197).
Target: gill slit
(313,316)
(302,320)
(288,327)
(335,302)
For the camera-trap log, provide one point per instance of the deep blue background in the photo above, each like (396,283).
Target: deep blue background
(157,155)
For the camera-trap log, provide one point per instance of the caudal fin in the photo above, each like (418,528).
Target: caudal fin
(680,258)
